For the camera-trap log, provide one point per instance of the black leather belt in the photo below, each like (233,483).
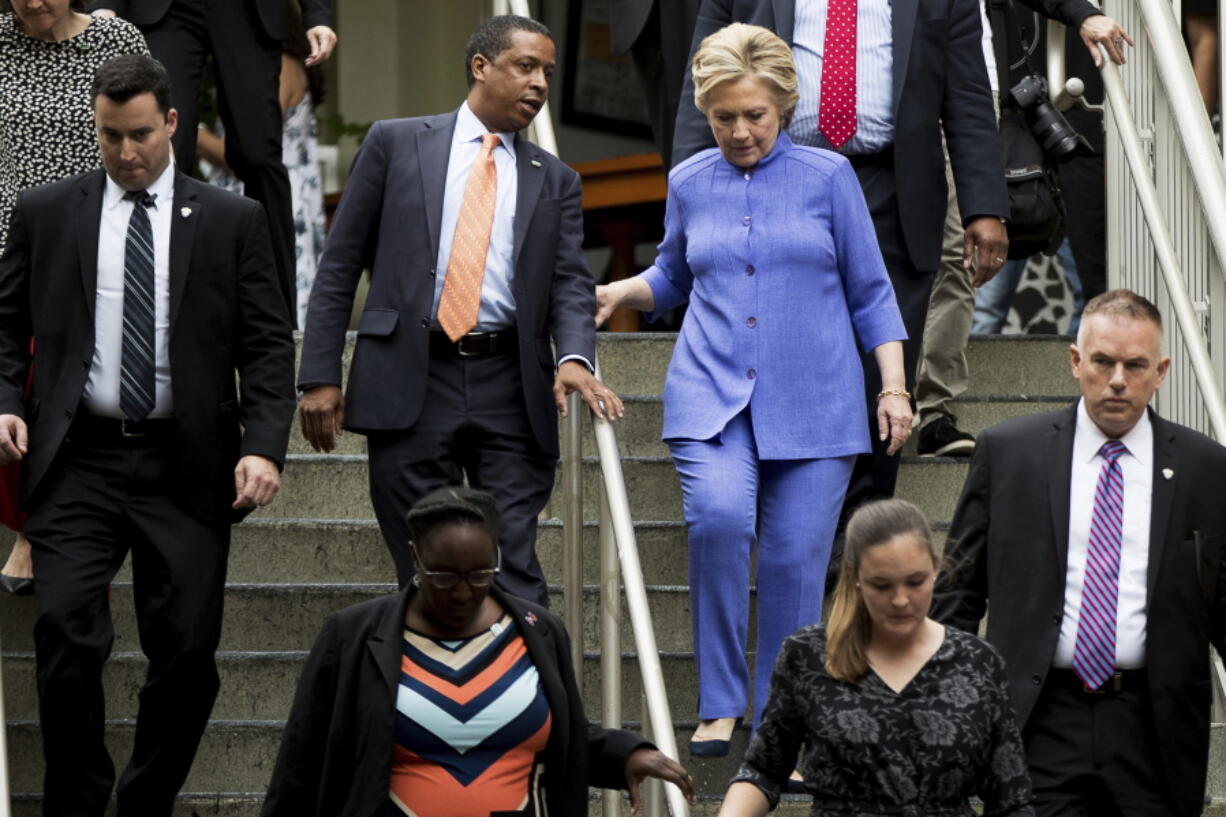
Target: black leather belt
(885,156)
(474,344)
(1124,680)
(112,431)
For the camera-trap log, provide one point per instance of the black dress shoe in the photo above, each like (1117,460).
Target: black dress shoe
(16,586)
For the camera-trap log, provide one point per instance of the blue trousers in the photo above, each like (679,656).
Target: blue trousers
(733,501)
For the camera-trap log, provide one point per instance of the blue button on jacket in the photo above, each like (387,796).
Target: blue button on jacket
(786,284)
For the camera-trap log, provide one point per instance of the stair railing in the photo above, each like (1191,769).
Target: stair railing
(1166,213)
(618,554)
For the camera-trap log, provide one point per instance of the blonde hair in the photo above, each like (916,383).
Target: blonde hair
(739,51)
(849,625)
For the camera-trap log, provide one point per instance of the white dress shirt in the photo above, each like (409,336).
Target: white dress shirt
(497,301)
(1137,464)
(102,388)
(874,75)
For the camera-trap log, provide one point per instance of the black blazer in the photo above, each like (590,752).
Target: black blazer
(145,13)
(336,753)
(1009,543)
(388,221)
(226,315)
(939,79)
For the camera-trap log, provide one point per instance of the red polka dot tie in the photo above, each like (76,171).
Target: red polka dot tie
(836,120)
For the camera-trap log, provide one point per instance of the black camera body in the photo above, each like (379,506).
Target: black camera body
(1055,135)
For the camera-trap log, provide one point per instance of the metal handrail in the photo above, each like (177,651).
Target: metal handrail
(618,546)
(5,798)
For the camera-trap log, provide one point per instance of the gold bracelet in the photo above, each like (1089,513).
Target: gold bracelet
(906,395)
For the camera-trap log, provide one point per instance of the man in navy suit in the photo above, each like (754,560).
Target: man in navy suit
(437,409)
(919,68)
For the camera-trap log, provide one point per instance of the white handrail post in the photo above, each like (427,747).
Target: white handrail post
(610,640)
(572,529)
(1057,74)
(1168,262)
(5,800)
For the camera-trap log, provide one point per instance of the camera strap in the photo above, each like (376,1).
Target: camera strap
(1007,40)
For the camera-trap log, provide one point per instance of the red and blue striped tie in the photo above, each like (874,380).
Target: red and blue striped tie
(1094,650)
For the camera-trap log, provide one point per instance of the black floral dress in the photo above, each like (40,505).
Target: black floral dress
(948,736)
(46,113)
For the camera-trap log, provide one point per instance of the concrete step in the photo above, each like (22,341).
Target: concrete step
(634,363)
(259,686)
(335,487)
(239,756)
(276,617)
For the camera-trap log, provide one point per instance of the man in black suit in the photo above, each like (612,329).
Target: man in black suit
(145,291)
(656,34)
(244,38)
(918,65)
(439,400)
(1097,534)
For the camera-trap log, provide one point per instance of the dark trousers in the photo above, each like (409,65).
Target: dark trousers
(661,56)
(247,64)
(875,474)
(1084,185)
(474,425)
(1094,755)
(101,502)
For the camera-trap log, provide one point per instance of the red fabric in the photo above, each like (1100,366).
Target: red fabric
(10,475)
(836,119)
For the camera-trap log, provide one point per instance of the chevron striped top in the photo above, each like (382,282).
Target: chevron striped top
(471,724)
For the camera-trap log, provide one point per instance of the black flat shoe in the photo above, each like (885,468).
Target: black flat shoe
(16,586)
(714,748)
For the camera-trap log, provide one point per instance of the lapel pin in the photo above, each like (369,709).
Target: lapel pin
(185,212)
(531,619)
(1167,473)
(535,163)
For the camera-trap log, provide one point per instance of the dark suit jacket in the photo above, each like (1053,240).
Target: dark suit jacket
(388,221)
(1009,543)
(939,79)
(272,14)
(336,752)
(226,314)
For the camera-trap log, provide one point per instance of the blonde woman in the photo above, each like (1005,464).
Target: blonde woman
(896,714)
(772,246)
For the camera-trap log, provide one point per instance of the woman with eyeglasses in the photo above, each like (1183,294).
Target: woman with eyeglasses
(450,698)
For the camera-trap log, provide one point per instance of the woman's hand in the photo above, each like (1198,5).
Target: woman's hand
(632,293)
(893,420)
(654,763)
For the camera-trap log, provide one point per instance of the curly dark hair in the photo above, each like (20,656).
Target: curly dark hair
(493,36)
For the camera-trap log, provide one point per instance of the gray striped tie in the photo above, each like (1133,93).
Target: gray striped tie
(136,376)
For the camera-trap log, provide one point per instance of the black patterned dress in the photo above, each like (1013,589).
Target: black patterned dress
(46,114)
(866,750)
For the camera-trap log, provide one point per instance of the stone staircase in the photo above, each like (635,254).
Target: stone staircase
(317,549)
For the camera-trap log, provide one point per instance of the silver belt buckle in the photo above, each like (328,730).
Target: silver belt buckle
(123,429)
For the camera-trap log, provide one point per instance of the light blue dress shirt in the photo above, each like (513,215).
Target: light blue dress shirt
(874,75)
(786,286)
(497,301)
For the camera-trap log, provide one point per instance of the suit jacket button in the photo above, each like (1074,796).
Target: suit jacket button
(425,323)
(1055,618)
(1036,679)
(68,413)
(84,364)
(433,273)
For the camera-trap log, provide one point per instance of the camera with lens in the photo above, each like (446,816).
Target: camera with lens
(1052,131)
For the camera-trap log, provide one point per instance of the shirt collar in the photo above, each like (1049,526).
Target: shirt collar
(468,128)
(782,145)
(163,187)
(1089,438)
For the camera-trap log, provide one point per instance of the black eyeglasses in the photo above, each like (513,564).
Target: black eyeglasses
(447,579)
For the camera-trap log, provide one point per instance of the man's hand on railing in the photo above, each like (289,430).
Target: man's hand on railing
(574,376)
(654,763)
(1099,28)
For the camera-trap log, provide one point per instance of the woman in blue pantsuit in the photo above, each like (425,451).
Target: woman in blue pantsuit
(772,245)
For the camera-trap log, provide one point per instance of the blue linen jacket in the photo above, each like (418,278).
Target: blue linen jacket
(784,277)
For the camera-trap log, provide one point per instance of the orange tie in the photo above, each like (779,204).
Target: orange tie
(461,299)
